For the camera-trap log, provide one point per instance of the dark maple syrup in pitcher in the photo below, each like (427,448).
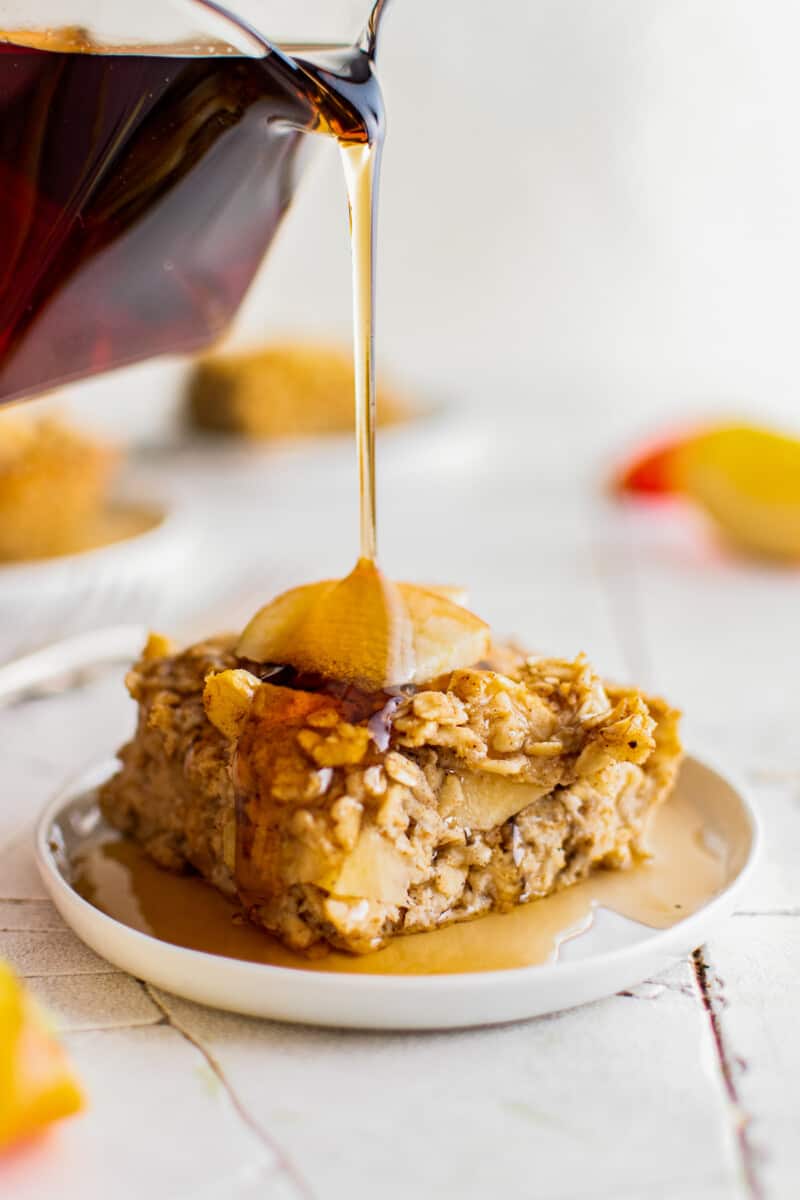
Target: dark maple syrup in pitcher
(140,191)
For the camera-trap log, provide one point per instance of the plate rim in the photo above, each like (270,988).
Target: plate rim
(434,984)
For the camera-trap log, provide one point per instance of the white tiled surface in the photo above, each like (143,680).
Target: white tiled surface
(685,1089)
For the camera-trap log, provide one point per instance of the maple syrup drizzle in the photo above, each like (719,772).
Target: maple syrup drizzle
(361,168)
(687,869)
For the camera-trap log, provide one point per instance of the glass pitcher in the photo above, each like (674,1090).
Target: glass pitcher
(146,159)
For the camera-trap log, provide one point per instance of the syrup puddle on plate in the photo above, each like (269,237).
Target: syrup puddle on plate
(688,867)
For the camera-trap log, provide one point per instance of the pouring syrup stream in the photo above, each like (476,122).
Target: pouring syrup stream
(361,168)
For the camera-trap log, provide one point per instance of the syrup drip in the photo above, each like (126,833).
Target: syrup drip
(354,704)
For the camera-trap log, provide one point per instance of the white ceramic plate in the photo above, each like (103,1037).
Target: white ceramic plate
(614,953)
(124,581)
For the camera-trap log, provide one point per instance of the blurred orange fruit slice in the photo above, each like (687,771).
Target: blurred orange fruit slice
(747,479)
(37,1085)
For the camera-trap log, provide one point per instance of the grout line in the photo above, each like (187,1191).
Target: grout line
(767,912)
(26,929)
(30,928)
(62,974)
(285,1163)
(110,972)
(741,1118)
(68,1031)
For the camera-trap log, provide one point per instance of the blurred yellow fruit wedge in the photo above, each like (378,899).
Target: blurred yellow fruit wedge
(366,630)
(37,1085)
(746,479)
